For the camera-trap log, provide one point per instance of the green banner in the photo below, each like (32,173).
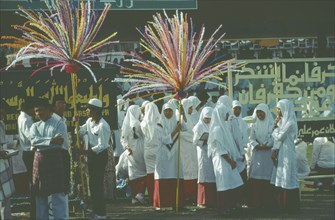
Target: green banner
(15,84)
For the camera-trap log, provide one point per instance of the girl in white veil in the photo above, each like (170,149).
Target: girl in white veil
(261,166)
(188,152)
(206,176)
(133,141)
(224,153)
(167,161)
(285,174)
(150,129)
(121,113)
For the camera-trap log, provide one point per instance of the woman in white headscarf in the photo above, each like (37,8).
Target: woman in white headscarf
(238,135)
(166,171)
(121,113)
(144,103)
(195,102)
(150,128)
(285,174)
(189,153)
(206,176)
(261,165)
(224,153)
(133,141)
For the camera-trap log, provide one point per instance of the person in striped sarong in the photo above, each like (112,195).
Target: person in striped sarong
(6,176)
(49,172)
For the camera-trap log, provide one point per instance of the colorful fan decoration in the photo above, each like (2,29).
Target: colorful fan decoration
(180,58)
(64,34)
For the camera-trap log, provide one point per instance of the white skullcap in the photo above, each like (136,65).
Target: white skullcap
(95,102)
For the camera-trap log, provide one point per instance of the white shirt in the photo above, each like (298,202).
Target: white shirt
(302,162)
(98,134)
(42,132)
(24,123)
(66,140)
(323,153)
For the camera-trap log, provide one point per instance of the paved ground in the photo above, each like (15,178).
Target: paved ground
(314,205)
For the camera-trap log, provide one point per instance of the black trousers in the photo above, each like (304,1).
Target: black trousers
(28,159)
(96,169)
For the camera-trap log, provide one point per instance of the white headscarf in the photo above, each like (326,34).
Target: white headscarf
(225,101)
(201,127)
(150,120)
(263,127)
(120,112)
(240,119)
(289,118)
(168,124)
(237,103)
(131,120)
(144,103)
(186,105)
(219,132)
(195,102)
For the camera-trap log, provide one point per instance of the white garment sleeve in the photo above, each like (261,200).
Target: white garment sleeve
(123,140)
(237,135)
(196,140)
(252,138)
(279,135)
(83,130)
(103,140)
(26,128)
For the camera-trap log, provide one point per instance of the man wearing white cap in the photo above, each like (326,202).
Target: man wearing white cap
(98,132)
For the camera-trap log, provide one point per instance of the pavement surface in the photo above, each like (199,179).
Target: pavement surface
(315,204)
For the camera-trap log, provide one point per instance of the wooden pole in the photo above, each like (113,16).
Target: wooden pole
(81,160)
(178,162)
(276,82)
(230,82)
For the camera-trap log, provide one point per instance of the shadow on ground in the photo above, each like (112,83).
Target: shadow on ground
(314,205)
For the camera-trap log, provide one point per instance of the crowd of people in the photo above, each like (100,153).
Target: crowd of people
(183,152)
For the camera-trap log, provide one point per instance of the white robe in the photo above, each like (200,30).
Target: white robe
(136,164)
(167,160)
(188,150)
(261,165)
(205,165)
(285,175)
(221,143)
(117,133)
(152,141)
